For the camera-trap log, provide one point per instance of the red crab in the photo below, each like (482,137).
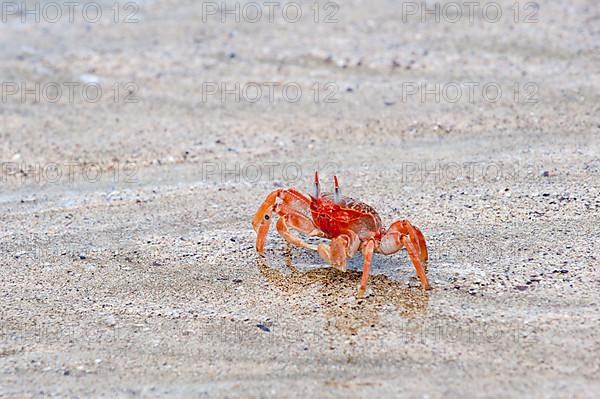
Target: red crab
(349,224)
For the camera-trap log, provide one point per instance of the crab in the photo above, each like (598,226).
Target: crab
(351,226)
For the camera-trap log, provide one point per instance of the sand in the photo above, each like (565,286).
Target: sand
(128,266)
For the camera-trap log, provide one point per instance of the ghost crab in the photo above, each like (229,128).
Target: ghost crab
(350,225)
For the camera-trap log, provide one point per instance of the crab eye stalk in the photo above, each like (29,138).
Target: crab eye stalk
(337,193)
(316,187)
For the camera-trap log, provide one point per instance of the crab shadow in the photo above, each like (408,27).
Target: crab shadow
(335,290)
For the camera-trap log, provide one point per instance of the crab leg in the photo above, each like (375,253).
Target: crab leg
(335,253)
(367,251)
(297,222)
(416,260)
(394,241)
(291,207)
(403,233)
(416,237)
(342,247)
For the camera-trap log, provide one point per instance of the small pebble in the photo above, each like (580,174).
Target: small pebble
(263,327)
(110,321)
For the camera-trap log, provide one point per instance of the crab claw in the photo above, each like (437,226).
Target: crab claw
(262,219)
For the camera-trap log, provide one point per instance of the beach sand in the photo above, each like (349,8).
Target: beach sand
(128,266)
